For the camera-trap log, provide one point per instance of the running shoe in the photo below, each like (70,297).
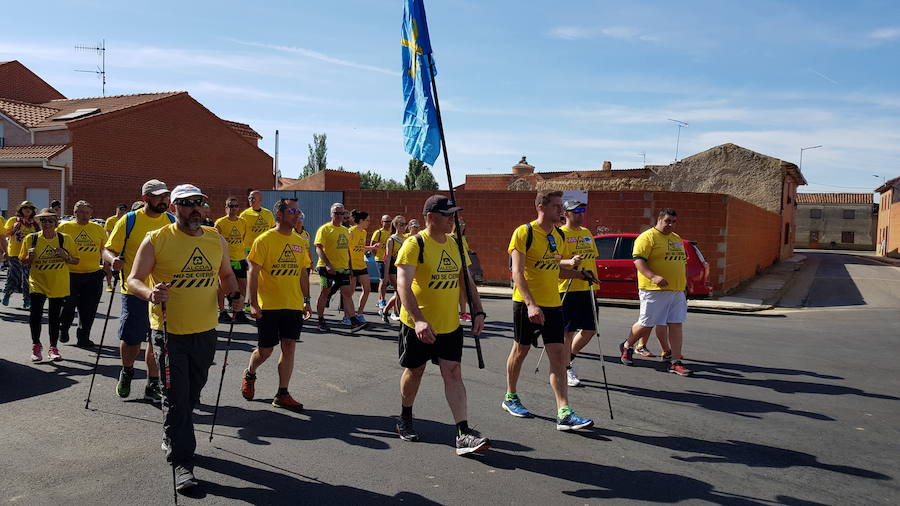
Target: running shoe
(85,343)
(224,317)
(109,288)
(666,356)
(165,446)
(123,387)
(287,402)
(64,337)
(361,317)
(465,317)
(6,299)
(385,318)
(471,441)
(346,321)
(627,354)
(184,478)
(153,392)
(395,317)
(323,325)
(675,367)
(356,325)
(381,304)
(36,350)
(572,378)
(53,354)
(643,351)
(405,429)
(241,317)
(573,422)
(248,385)
(515,408)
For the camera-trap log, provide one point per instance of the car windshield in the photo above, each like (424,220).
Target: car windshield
(624,248)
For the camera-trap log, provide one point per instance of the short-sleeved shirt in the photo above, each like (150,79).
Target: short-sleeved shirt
(258,222)
(304,240)
(89,239)
(281,258)
(49,274)
(335,241)
(14,239)
(143,225)
(110,223)
(436,283)
(357,248)
(579,242)
(665,255)
(380,236)
(190,264)
(541,263)
(234,232)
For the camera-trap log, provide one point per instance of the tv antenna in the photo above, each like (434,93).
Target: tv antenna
(680,124)
(100,49)
(644,156)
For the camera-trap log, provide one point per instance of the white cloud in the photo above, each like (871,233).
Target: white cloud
(885,34)
(613,32)
(318,56)
(571,33)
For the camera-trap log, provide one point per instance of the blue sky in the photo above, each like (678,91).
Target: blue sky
(569,84)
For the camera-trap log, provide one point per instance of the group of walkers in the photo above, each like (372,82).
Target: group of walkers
(181,278)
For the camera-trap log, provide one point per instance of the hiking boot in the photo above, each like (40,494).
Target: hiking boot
(184,478)
(356,325)
(64,337)
(471,441)
(287,402)
(123,387)
(666,356)
(572,378)
(323,325)
(153,392)
(241,317)
(224,317)
(405,429)
(248,385)
(36,350)
(573,422)
(515,408)
(675,367)
(626,354)
(6,299)
(643,351)
(53,354)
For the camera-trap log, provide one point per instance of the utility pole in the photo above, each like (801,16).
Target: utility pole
(275,162)
(800,168)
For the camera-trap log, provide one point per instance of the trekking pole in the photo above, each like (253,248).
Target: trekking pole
(112,295)
(538,365)
(600,347)
(224,363)
(168,383)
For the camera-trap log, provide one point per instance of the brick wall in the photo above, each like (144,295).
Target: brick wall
(489,181)
(19,83)
(753,241)
(17,180)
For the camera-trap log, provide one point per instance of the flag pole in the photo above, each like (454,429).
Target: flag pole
(462,253)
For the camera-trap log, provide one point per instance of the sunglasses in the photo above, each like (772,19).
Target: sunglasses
(340,213)
(578,210)
(401,224)
(292,210)
(552,241)
(251,198)
(233,206)
(190,202)
(385,221)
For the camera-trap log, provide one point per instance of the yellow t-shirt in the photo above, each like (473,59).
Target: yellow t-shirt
(579,242)
(111,223)
(666,257)
(396,243)
(380,236)
(191,267)
(234,233)
(258,222)
(89,240)
(541,263)
(14,239)
(335,240)
(143,224)
(436,283)
(281,258)
(48,274)
(304,241)
(358,248)
(465,245)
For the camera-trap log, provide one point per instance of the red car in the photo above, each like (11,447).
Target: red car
(618,276)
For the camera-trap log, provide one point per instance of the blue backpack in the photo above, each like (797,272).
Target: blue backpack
(130,218)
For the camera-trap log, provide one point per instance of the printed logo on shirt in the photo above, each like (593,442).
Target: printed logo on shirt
(549,261)
(675,252)
(84,242)
(197,272)
(342,242)
(260,224)
(235,237)
(447,273)
(48,260)
(287,265)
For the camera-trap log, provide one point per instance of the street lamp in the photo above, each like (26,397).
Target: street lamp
(883,179)
(800,168)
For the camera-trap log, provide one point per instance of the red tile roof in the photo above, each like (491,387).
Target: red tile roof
(834,198)
(890,183)
(243,129)
(27,115)
(105,104)
(30,151)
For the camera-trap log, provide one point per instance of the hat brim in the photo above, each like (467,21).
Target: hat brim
(190,195)
(46,215)
(449,211)
(157,193)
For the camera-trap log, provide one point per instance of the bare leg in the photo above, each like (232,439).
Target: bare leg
(257,358)
(286,362)
(347,297)
(366,288)
(676,338)
(559,359)
(454,389)
(579,340)
(662,335)
(638,331)
(409,384)
(514,365)
(129,353)
(150,358)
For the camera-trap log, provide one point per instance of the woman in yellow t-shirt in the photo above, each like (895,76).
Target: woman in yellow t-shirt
(358,252)
(16,229)
(398,235)
(47,253)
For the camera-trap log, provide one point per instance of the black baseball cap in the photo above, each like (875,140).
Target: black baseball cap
(571,205)
(440,204)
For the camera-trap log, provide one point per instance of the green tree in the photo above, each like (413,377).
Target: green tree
(371,180)
(317,159)
(419,176)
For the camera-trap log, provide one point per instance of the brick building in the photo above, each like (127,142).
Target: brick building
(836,221)
(102,149)
(888,234)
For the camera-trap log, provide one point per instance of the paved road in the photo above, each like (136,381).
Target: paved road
(790,407)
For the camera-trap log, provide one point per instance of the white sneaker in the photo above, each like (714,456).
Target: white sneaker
(571,378)
(395,317)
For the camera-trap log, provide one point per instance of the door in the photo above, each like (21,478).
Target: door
(621,273)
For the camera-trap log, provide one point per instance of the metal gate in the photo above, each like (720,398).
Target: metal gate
(316,205)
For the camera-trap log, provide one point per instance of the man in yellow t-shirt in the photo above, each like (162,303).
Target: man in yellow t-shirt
(85,278)
(535,252)
(134,322)
(579,252)
(48,254)
(661,262)
(333,248)
(178,269)
(278,287)
(258,218)
(429,271)
(109,225)
(234,229)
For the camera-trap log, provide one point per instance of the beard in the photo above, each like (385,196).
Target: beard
(192,222)
(160,208)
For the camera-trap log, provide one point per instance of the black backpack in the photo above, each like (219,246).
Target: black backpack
(59,235)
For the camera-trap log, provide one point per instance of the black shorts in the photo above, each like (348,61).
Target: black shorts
(239,267)
(277,324)
(360,272)
(334,281)
(525,332)
(414,353)
(578,311)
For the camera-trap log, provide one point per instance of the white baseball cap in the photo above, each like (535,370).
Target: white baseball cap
(184,191)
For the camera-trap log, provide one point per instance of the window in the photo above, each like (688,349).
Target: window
(39,196)
(815,214)
(813,236)
(606,246)
(849,214)
(625,248)
(847,237)
(4,202)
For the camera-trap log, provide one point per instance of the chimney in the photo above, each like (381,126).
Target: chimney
(522,168)
(607,165)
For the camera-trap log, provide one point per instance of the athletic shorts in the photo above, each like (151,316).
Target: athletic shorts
(134,323)
(660,307)
(239,267)
(360,272)
(525,332)
(578,311)
(341,277)
(414,353)
(277,324)
(380,266)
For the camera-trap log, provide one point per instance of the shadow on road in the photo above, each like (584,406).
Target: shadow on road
(29,381)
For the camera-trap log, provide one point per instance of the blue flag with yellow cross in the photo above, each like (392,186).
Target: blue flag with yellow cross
(421,134)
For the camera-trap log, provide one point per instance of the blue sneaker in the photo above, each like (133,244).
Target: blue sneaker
(573,422)
(381,303)
(361,318)
(515,408)
(346,321)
